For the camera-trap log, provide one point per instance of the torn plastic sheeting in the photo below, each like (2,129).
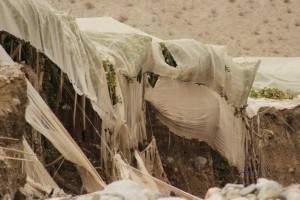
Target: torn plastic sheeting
(276,72)
(35,170)
(41,118)
(197,112)
(57,35)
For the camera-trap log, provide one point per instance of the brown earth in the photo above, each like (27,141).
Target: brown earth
(280,132)
(13,100)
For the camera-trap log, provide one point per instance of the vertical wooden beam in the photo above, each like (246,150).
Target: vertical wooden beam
(61,84)
(20,52)
(37,69)
(74,112)
(83,102)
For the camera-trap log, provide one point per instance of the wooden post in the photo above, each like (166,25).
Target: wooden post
(83,102)
(59,93)
(74,112)
(38,70)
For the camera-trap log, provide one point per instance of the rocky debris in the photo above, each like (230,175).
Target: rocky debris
(264,190)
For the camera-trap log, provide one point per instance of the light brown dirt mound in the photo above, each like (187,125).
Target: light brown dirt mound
(13,100)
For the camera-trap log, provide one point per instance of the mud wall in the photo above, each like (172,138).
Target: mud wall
(13,100)
(279,132)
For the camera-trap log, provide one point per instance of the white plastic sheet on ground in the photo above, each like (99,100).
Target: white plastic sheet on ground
(275,72)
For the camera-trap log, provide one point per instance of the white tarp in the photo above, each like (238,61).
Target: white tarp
(276,72)
(194,111)
(80,54)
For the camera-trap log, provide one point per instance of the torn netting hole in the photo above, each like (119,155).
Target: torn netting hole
(167,55)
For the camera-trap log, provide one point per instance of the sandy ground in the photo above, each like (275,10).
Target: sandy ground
(246,27)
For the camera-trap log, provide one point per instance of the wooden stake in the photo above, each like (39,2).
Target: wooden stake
(59,93)
(15,150)
(3,37)
(15,52)
(8,138)
(37,69)
(12,158)
(83,102)
(11,47)
(74,113)
(20,52)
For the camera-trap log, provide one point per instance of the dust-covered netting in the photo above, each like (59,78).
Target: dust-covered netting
(40,117)
(199,92)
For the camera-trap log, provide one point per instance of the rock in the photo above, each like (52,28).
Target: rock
(170,159)
(240,198)
(268,189)
(293,195)
(211,191)
(247,190)
(232,193)
(237,186)
(16,101)
(200,162)
(251,197)
(293,192)
(291,170)
(216,196)
(125,189)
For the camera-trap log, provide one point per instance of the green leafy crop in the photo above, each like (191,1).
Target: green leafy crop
(272,93)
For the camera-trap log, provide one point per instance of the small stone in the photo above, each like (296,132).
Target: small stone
(251,197)
(16,101)
(247,190)
(212,191)
(291,170)
(232,193)
(240,198)
(176,169)
(200,162)
(8,110)
(170,159)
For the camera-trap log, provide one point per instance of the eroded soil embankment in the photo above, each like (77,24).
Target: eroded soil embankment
(13,100)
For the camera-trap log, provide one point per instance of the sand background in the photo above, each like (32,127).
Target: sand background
(246,27)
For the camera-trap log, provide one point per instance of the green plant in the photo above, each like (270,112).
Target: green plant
(152,78)
(167,55)
(238,111)
(128,78)
(50,82)
(111,81)
(227,69)
(272,93)
(224,95)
